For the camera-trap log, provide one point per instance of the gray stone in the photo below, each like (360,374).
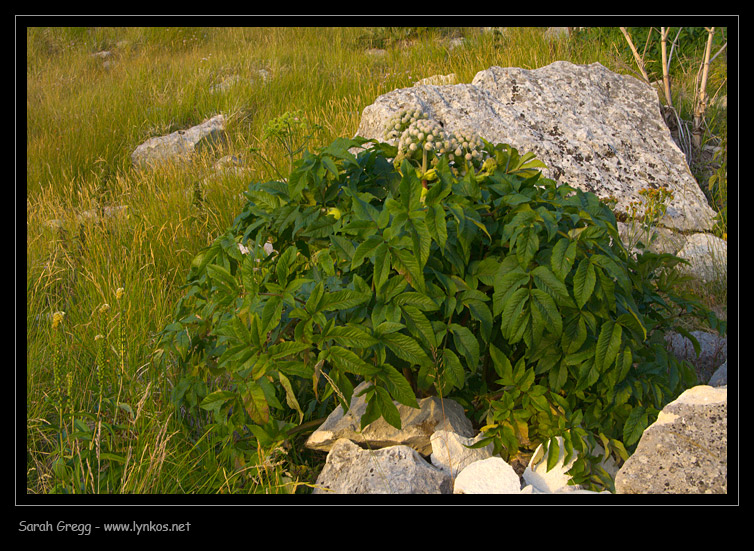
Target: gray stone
(350,469)
(713,351)
(179,146)
(685,451)
(720,377)
(596,130)
(417,425)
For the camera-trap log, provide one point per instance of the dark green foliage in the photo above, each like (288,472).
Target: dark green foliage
(496,288)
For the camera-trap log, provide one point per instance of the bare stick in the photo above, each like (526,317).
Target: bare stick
(637,57)
(701,104)
(664,31)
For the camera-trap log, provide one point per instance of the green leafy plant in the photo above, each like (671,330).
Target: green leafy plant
(428,271)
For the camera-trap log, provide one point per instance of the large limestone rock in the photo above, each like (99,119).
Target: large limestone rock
(685,451)
(178,146)
(596,130)
(394,470)
(417,425)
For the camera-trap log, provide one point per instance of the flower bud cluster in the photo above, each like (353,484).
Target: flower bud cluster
(422,135)
(425,140)
(402,120)
(466,145)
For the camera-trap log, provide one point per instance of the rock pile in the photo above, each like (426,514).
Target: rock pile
(684,451)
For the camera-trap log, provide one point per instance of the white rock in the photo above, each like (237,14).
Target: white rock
(488,476)
(450,451)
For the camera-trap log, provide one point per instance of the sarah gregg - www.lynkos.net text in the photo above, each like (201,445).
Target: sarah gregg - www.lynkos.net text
(86,528)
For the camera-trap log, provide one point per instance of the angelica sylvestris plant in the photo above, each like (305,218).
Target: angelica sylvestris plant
(481,281)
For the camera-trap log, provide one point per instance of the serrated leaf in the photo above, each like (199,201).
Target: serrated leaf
(453,372)
(365,249)
(418,300)
(562,258)
(553,453)
(466,343)
(284,263)
(271,313)
(290,396)
(215,400)
(399,387)
(608,344)
(502,365)
(583,282)
(286,348)
(545,312)
(418,323)
(222,277)
(350,362)
(352,336)
(436,225)
(405,347)
(407,265)
(255,403)
(420,238)
(506,282)
(513,311)
(527,246)
(342,300)
(635,425)
(312,303)
(382,263)
(387,408)
(548,282)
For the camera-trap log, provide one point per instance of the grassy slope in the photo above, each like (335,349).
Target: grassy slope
(83,121)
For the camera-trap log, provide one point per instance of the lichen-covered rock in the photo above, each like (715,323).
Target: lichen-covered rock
(685,451)
(595,130)
(350,469)
(179,146)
